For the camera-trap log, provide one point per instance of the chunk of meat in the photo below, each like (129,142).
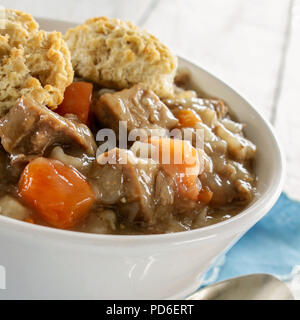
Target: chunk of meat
(128,183)
(5,172)
(139,107)
(9,174)
(29,129)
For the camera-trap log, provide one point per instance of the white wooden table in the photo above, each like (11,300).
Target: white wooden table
(252,45)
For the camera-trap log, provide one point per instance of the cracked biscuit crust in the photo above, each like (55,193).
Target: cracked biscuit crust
(17,25)
(33,63)
(117,54)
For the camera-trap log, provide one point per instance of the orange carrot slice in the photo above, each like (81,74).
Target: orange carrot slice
(180,160)
(187,118)
(77,100)
(60,194)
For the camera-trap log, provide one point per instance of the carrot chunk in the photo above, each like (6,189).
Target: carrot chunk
(180,160)
(187,118)
(205,195)
(59,194)
(77,100)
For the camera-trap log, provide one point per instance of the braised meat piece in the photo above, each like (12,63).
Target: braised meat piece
(30,128)
(8,174)
(133,185)
(139,107)
(4,163)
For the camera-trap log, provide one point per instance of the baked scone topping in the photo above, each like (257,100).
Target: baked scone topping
(35,64)
(117,54)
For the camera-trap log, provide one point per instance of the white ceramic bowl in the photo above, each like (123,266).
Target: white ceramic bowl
(48,263)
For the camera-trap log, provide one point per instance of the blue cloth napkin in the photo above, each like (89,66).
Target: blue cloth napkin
(271,246)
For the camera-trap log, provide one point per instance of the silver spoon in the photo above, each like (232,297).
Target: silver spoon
(250,287)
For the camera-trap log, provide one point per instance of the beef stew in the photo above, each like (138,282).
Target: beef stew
(136,193)
(147,157)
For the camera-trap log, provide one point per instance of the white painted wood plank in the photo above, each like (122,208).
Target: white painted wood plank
(239,41)
(79,10)
(287,122)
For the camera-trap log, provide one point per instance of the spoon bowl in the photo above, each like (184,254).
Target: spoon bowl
(259,286)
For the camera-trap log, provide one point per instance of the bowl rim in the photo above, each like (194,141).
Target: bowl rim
(253,212)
